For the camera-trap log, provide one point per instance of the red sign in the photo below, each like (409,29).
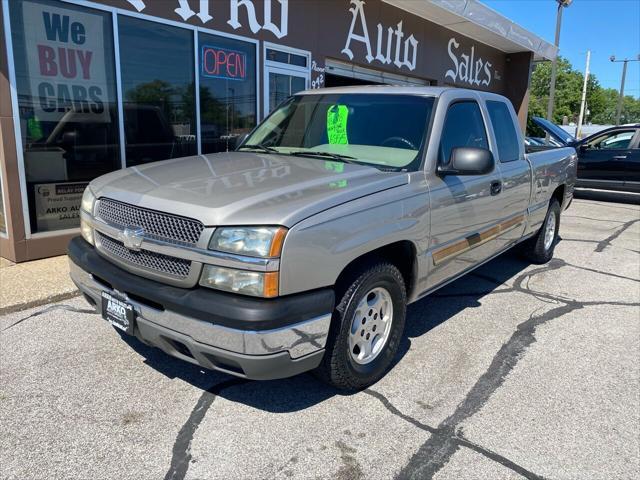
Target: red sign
(223,63)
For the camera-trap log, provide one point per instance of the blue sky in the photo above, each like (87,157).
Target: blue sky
(606,27)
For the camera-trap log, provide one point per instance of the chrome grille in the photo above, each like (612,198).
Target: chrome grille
(176,267)
(156,224)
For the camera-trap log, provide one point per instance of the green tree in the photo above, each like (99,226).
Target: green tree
(601,102)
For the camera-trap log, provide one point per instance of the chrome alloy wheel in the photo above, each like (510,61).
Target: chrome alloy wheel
(371,326)
(550,231)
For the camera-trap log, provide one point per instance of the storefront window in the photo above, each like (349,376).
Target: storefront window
(65,79)
(286,57)
(227,91)
(156,64)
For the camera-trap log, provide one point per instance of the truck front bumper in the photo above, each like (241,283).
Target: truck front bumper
(254,338)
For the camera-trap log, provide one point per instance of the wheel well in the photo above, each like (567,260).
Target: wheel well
(558,194)
(401,254)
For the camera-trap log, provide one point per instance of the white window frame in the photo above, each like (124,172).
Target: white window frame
(115,12)
(283,68)
(4,234)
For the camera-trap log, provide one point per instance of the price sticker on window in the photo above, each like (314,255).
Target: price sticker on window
(337,117)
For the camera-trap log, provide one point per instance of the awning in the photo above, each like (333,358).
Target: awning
(346,69)
(479,22)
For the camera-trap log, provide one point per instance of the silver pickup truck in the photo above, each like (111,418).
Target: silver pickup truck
(301,249)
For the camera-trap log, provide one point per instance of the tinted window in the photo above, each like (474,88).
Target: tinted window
(227,91)
(463,127)
(614,141)
(158,90)
(506,136)
(65,75)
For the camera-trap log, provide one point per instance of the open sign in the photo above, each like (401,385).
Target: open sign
(223,63)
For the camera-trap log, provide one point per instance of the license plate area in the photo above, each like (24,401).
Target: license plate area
(118,312)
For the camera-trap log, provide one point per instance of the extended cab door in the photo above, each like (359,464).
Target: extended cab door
(463,208)
(514,198)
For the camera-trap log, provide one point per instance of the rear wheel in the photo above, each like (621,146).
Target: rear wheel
(366,328)
(539,249)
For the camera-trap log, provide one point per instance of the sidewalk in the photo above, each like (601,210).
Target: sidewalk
(29,284)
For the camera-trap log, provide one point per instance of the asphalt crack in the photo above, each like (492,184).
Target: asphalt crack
(181,456)
(48,309)
(607,241)
(453,436)
(592,219)
(436,452)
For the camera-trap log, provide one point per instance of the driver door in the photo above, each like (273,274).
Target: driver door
(464,210)
(605,158)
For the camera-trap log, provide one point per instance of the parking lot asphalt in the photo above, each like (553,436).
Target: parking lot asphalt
(513,371)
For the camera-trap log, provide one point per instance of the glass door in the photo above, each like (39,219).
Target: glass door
(282,84)
(287,71)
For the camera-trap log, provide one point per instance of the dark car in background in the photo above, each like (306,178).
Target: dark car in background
(608,159)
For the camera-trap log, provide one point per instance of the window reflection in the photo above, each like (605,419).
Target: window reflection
(227,91)
(65,80)
(282,86)
(158,89)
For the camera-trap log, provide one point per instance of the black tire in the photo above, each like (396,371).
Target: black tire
(534,248)
(338,368)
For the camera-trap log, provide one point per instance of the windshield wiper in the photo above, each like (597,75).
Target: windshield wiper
(264,148)
(334,156)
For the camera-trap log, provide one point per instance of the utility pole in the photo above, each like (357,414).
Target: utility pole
(554,63)
(624,76)
(584,95)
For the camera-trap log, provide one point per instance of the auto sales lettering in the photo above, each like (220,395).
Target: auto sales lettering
(65,51)
(467,69)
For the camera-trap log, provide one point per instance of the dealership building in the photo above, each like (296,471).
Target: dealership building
(88,87)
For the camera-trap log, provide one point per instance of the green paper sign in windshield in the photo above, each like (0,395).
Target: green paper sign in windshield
(337,116)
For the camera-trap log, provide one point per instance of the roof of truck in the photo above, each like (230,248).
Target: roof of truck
(388,89)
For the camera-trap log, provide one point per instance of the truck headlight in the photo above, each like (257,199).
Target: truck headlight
(250,241)
(86,206)
(86,230)
(257,284)
(88,200)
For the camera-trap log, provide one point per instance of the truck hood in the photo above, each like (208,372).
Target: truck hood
(243,188)
(555,131)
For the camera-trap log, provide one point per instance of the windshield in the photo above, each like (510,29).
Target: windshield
(384,131)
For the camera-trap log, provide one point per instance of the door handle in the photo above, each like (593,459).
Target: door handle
(496,187)
(620,157)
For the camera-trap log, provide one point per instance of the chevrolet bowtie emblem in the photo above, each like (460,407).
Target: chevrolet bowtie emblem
(132,238)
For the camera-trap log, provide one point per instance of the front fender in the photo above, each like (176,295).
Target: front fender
(318,249)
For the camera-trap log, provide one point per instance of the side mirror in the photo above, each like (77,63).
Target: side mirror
(69,138)
(239,140)
(584,147)
(468,161)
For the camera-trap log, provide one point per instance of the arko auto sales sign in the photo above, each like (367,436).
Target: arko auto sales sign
(58,205)
(65,52)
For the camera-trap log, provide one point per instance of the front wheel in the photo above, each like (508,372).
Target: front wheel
(366,328)
(539,249)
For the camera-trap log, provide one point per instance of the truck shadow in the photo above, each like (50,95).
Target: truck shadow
(304,391)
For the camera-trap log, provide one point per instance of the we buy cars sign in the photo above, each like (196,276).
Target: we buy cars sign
(65,52)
